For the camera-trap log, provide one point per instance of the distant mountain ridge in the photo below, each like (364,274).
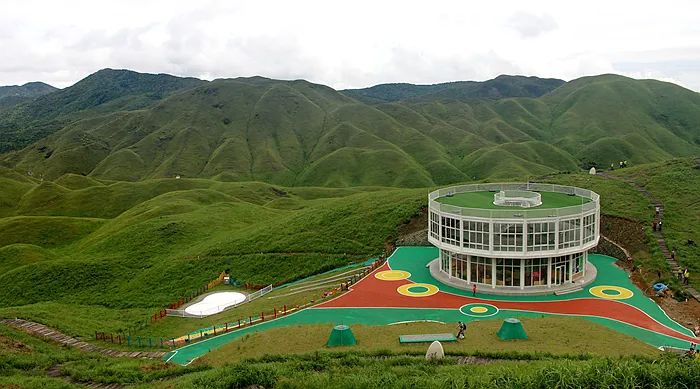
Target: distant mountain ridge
(30,89)
(105,91)
(14,95)
(503,86)
(296,133)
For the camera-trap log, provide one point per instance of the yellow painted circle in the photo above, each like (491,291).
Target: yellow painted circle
(429,290)
(618,293)
(392,275)
(478,309)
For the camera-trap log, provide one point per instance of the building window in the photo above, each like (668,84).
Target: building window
(569,233)
(507,237)
(560,270)
(450,231)
(507,272)
(480,270)
(459,266)
(475,235)
(589,228)
(536,272)
(540,236)
(434,225)
(445,261)
(578,262)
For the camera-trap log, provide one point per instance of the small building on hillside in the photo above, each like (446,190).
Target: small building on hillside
(514,238)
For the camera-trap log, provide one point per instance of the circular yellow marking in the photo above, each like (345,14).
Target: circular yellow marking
(479,309)
(392,275)
(618,293)
(405,290)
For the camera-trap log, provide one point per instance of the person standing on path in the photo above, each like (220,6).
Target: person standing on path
(686,276)
(474,290)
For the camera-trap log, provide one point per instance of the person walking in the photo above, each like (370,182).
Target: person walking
(474,290)
(673,254)
(659,226)
(460,330)
(686,276)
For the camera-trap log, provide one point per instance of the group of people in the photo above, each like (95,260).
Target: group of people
(621,164)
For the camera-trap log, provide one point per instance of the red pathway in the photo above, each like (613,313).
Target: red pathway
(374,293)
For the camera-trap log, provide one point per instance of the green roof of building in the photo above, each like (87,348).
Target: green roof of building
(484,200)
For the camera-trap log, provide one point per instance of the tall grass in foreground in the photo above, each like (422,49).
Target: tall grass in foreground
(365,370)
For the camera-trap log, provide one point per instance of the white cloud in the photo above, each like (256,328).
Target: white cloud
(529,25)
(348,44)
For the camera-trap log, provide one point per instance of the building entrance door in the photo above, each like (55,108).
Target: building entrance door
(559,275)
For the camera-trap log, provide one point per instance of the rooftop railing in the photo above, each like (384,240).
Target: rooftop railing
(514,213)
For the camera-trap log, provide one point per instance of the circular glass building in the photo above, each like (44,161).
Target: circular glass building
(514,238)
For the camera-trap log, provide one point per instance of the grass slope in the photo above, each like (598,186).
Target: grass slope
(295,133)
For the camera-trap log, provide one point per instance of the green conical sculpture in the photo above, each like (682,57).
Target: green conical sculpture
(511,329)
(341,335)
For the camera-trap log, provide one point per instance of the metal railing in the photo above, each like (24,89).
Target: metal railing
(514,213)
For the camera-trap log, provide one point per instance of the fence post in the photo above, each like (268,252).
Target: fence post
(262,316)
(119,338)
(275,312)
(239,323)
(111,337)
(285,309)
(226,327)
(250,319)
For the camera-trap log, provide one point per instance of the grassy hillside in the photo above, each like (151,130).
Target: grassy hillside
(136,245)
(676,184)
(106,91)
(294,133)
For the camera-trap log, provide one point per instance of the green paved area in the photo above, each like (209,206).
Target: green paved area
(484,200)
(414,259)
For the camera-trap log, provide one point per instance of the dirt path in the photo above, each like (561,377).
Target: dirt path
(658,219)
(57,336)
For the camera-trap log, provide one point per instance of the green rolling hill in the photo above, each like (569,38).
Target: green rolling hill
(121,125)
(105,91)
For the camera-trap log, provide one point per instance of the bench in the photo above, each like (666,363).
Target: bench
(427,338)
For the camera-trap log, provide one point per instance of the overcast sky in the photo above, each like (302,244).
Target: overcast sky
(350,44)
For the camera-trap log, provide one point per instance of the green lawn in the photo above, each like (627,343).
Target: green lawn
(484,200)
(555,335)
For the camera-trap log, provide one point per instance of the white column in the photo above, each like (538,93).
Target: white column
(491,235)
(549,272)
(493,272)
(461,231)
(585,261)
(522,273)
(469,269)
(524,248)
(571,268)
(556,236)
